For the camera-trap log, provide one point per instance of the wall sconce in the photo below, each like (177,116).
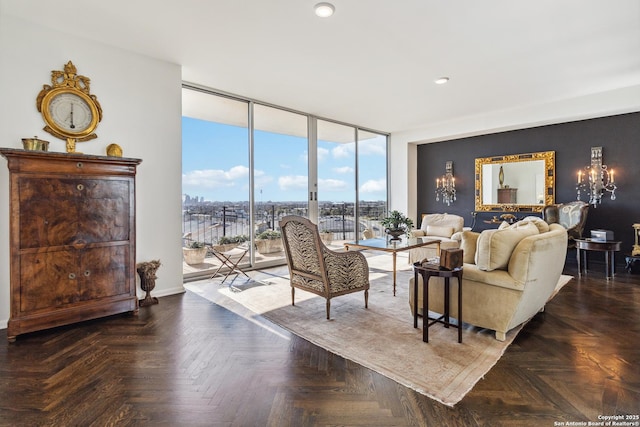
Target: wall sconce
(596,179)
(446,185)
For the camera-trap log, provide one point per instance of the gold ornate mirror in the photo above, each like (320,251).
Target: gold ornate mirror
(517,182)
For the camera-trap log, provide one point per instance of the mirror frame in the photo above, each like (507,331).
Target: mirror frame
(549,158)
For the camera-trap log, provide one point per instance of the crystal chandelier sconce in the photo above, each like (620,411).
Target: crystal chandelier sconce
(594,180)
(446,185)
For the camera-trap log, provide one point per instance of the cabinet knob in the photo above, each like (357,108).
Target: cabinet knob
(72,276)
(87,273)
(80,187)
(79,165)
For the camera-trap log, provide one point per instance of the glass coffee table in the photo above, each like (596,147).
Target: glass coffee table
(393,247)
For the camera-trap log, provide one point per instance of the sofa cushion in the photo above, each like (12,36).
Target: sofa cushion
(494,247)
(468,245)
(542,225)
(439,230)
(503,225)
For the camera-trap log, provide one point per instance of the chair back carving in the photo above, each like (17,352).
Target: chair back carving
(571,215)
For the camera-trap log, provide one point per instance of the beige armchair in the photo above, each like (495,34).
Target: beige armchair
(315,268)
(572,216)
(446,227)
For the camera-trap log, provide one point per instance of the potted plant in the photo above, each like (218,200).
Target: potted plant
(396,224)
(269,241)
(226,243)
(194,253)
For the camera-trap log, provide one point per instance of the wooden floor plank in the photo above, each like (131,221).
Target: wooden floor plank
(189,362)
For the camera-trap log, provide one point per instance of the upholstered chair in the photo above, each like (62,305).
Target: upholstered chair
(572,216)
(315,268)
(443,226)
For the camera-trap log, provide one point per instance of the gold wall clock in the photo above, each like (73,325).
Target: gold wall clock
(69,110)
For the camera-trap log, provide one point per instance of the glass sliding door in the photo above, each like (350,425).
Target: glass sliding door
(372,180)
(336,164)
(215,175)
(280,176)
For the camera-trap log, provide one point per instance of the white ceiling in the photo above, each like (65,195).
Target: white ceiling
(374,62)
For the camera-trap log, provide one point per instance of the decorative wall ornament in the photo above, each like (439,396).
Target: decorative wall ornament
(446,185)
(68,108)
(596,179)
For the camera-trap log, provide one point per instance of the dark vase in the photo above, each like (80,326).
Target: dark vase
(395,234)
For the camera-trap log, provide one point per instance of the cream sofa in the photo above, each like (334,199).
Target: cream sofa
(509,275)
(448,228)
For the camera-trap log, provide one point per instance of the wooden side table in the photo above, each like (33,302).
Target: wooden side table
(609,247)
(427,272)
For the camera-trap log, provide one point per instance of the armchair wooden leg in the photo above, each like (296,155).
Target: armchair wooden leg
(293,296)
(366,298)
(328,307)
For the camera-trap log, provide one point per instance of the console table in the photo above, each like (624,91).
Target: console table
(609,247)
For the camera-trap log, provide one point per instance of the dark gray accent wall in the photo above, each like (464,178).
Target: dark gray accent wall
(619,137)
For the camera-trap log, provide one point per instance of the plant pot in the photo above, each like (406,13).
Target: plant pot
(269,246)
(395,234)
(194,256)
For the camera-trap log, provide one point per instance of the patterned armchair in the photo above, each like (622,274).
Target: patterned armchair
(315,268)
(572,216)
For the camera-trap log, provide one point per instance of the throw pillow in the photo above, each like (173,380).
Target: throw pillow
(440,231)
(494,247)
(542,225)
(468,246)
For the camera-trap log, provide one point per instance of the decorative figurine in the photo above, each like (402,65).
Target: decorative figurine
(636,247)
(114,150)
(147,272)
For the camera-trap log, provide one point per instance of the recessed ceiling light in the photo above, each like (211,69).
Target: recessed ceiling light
(441,80)
(324,10)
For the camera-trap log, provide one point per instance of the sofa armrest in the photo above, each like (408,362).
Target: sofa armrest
(500,278)
(457,236)
(417,233)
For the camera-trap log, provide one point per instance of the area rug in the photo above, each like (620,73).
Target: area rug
(381,338)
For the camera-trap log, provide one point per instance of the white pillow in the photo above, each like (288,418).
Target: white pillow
(440,231)
(494,247)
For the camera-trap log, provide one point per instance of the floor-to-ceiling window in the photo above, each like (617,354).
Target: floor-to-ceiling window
(336,162)
(215,173)
(247,164)
(372,179)
(281,175)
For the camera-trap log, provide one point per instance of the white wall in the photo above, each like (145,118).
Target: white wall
(141,102)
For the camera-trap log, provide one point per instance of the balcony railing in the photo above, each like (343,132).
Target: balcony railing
(210,222)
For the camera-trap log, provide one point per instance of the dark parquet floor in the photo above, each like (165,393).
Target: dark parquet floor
(188,362)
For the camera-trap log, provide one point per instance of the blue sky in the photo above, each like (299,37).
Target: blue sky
(215,165)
